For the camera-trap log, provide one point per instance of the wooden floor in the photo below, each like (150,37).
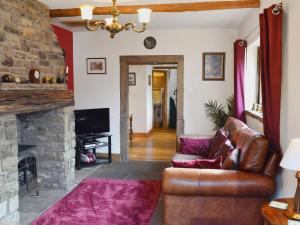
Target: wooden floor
(160,145)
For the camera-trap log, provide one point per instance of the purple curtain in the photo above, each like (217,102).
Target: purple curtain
(240,47)
(271,73)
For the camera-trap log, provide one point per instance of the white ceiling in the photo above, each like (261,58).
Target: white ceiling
(185,20)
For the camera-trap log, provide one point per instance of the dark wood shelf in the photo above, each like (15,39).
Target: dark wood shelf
(103,144)
(82,140)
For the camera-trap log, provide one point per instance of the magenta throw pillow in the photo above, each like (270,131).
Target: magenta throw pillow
(217,142)
(199,163)
(194,146)
(224,151)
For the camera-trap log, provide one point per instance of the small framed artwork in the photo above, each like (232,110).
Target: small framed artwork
(149,80)
(213,66)
(132,79)
(96,65)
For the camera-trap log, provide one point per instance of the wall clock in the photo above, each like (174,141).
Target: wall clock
(149,42)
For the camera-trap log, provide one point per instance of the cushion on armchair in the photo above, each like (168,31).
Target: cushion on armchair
(195,146)
(224,151)
(217,142)
(199,163)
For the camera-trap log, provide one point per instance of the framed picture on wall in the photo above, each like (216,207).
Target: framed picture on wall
(132,79)
(213,66)
(96,65)
(149,80)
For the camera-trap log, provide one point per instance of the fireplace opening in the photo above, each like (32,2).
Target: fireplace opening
(27,160)
(46,153)
(27,170)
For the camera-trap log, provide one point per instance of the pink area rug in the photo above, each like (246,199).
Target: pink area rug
(105,202)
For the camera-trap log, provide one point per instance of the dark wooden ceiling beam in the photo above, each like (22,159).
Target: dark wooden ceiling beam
(77,23)
(175,7)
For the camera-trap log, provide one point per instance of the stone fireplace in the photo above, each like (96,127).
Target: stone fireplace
(39,115)
(46,123)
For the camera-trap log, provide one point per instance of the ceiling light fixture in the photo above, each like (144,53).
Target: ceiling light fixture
(112,24)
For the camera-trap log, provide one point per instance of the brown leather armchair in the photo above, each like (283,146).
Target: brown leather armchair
(223,197)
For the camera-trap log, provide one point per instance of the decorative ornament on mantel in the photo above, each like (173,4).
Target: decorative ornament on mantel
(112,24)
(34,76)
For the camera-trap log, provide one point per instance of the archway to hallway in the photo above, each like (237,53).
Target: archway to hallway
(125,62)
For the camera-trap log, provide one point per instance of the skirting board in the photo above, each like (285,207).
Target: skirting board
(142,135)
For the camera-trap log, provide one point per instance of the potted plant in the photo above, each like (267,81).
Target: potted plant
(217,113)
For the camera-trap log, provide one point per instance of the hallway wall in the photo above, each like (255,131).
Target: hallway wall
(140,100)
(172,86)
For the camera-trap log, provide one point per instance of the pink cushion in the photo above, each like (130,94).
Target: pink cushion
(199,163)
(224,151)
(217,142)
(194,146)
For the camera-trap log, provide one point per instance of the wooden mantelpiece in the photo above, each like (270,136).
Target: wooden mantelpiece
(26,101)
(16,86)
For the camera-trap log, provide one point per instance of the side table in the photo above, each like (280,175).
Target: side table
(273,216)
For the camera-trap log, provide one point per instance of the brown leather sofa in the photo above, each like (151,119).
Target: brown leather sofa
(223,197)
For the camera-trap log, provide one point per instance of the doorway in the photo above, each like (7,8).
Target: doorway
(160,101)
(152,112)
(164,88)
(125,61)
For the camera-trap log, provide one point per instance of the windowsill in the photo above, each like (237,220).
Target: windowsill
(254,115)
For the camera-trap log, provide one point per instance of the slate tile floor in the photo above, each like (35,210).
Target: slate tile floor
(31,206)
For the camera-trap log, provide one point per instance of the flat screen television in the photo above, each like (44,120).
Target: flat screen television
(92,121)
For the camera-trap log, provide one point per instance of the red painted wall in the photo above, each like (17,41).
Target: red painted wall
(65,39)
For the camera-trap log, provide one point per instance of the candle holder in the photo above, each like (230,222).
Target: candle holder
(66,75)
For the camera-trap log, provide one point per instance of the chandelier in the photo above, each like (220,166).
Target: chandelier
(112,24)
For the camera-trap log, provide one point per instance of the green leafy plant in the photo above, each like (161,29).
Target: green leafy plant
(217,113)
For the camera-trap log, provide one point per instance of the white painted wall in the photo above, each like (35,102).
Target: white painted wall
(172,83)
(138,96)
(104,90)
(290,119)
(172,86)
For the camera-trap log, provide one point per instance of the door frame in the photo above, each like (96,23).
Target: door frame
(125,61)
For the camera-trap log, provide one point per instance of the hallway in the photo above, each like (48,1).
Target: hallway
(160,145)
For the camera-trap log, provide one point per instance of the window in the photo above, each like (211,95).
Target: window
(253,91)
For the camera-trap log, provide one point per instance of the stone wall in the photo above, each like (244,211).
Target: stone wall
(52,132)
(27,40)
(9,186)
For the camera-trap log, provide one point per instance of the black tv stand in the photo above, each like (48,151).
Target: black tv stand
(88,143)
